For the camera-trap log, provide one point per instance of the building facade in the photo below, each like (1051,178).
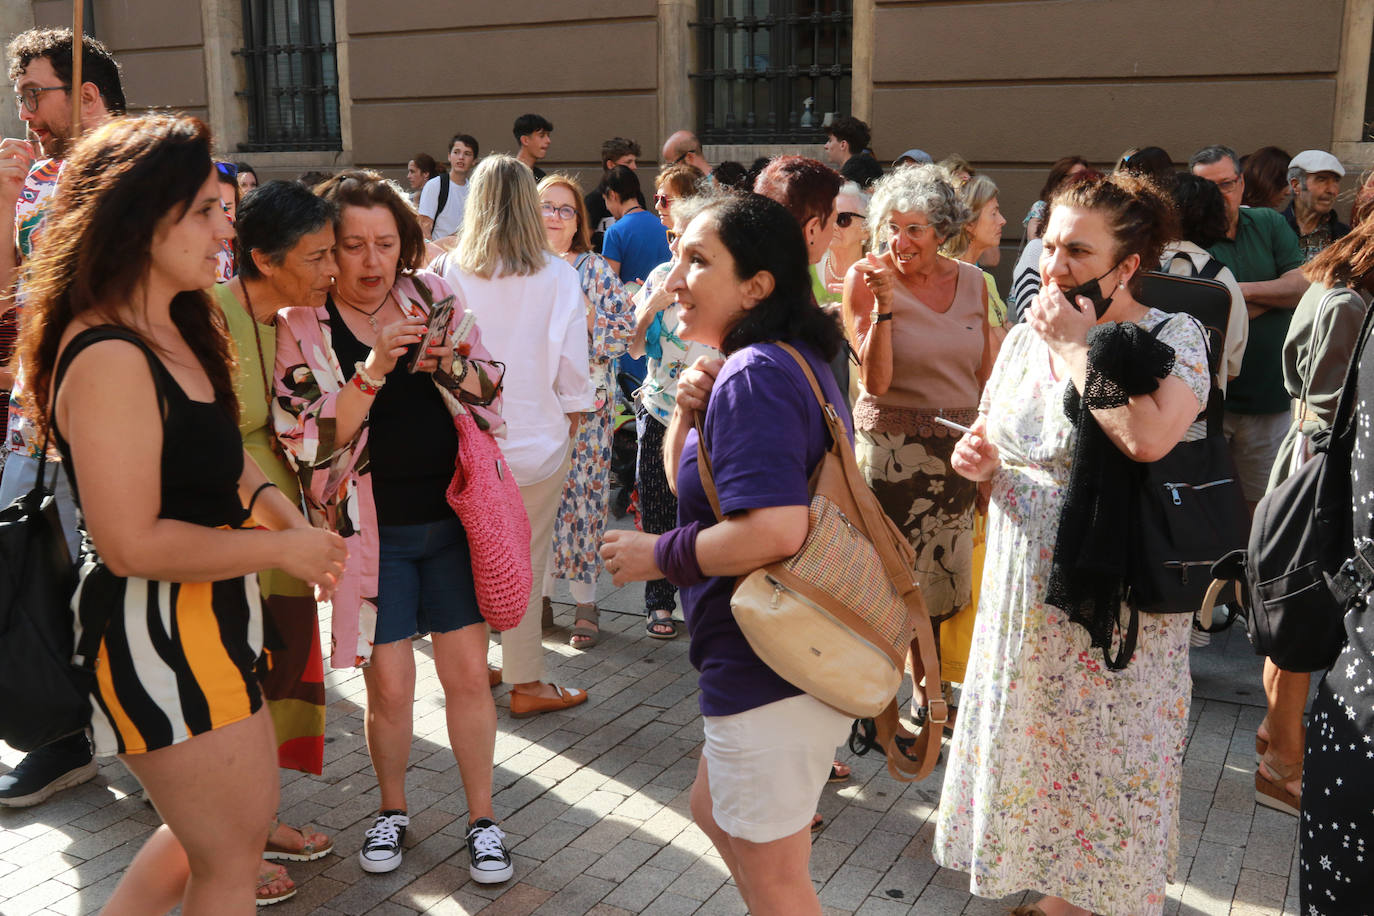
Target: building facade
(291,85)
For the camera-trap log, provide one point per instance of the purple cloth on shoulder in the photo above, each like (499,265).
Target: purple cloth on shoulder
(766,434)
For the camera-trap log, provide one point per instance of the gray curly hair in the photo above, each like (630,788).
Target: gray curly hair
(916,189)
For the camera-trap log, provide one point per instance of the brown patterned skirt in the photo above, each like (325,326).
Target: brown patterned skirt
(904,456)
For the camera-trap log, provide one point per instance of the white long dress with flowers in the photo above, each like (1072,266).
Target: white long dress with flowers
(1063,776)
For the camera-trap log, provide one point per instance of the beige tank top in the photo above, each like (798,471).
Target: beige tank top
(936,355)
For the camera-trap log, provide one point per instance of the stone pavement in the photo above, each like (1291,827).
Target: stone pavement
(594,802)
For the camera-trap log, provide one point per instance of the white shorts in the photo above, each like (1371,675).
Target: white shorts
(1255,439)
(767,766)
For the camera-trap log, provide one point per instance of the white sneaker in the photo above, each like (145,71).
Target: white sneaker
(490,862)
(381,850)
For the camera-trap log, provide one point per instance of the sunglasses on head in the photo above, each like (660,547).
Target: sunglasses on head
(227,169)
(845,218)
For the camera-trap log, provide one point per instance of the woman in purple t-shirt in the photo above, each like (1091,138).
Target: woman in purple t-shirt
(741,278)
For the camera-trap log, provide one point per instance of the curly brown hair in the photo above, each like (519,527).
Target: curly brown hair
(120,183)
(368,188)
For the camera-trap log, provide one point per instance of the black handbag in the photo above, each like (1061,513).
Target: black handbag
(46,697)
(1190,512)
(1301,536)
(46,679)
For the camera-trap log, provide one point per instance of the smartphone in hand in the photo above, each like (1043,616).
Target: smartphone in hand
(439,318)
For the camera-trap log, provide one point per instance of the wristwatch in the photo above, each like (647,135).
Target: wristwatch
(876,316)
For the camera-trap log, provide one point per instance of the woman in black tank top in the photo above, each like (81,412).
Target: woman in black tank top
(123,344)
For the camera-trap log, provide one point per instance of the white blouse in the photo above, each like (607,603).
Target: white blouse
(537,326)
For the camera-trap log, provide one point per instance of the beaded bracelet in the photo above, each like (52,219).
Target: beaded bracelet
(364,382)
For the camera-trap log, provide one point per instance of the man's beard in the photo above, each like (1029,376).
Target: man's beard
(55,147)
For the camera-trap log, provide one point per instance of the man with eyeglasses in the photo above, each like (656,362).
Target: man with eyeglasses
(40,67)
(1263,253)
(684,146)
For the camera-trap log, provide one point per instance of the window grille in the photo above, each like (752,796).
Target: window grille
(293,75)
(760,62)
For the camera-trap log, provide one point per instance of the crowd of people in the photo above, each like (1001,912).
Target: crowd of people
(270,352)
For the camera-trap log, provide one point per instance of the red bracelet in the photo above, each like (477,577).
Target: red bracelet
(363,386)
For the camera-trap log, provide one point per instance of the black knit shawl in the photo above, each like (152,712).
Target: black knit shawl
(1091,550)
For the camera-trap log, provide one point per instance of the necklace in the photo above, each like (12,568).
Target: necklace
(262,370)
(372,315)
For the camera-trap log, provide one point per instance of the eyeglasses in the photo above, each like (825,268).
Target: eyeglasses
(227,169)
(680,159)
(913,230)
(563,212)
(27,98)
(663,200)
(844,219)
(1229,185)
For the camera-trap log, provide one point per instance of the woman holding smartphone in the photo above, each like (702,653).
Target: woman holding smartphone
(374,445)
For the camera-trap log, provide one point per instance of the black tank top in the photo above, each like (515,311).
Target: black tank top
(202,452)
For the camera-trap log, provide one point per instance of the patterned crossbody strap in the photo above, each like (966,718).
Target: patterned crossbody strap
(839,440)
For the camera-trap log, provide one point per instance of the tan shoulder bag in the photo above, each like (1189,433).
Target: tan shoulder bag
(836,619)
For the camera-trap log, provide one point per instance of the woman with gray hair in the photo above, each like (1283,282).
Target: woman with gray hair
(925,348)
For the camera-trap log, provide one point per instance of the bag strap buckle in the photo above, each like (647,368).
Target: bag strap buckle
(1355,579)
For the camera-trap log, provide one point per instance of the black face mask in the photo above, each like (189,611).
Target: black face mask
(1092,289)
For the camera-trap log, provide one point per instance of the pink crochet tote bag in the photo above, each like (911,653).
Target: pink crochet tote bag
(486,498)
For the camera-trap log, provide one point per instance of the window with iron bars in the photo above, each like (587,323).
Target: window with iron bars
(293,75)
(772,71)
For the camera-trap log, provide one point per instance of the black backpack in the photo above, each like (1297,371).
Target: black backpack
(1300,537)
(443,194)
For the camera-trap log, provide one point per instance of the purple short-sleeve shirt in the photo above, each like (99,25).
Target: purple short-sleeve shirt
(766,434)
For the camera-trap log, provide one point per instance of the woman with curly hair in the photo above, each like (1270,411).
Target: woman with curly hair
(925,348)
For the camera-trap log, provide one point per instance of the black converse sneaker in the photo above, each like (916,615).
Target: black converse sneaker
(381,850)
(490,862)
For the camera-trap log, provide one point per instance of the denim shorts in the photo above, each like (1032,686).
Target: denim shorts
(424,581)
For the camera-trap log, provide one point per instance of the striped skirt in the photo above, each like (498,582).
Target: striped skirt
(176,659)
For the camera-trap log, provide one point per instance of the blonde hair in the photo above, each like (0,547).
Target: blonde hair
(582,236)
(503,231)
(977,193)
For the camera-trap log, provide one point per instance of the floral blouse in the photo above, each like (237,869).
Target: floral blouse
(335,476)
(669,355)
(612,323)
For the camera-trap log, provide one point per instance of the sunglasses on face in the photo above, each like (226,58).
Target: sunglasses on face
(680,159)
(563,212)
(663,200)
(673,236)
(844,219)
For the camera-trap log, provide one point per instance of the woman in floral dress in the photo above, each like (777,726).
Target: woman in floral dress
(581,517)
(1064,776)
